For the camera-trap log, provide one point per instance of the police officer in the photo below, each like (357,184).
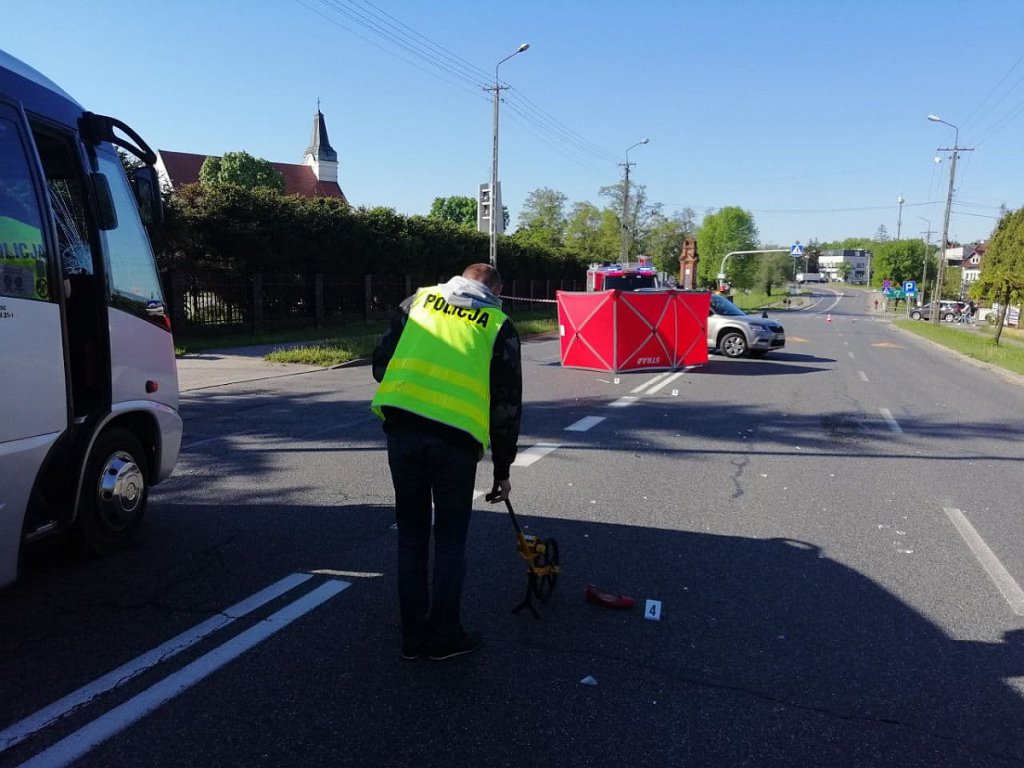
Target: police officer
(450,386)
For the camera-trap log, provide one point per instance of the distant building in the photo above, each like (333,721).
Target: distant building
(315,176)
(859,260)
(970,264)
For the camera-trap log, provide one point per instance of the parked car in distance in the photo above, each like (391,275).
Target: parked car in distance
(948,311)
(734,333)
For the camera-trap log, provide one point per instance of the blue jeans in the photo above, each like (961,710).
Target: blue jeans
(425,468)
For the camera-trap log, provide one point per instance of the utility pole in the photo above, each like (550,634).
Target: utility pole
(495,198)
(899,218)
(626,229)
(924,263)
(944,243)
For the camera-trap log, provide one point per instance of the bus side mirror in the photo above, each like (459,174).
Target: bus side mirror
(147,194)
(105,210)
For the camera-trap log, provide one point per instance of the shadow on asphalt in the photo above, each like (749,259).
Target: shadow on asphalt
(768,651)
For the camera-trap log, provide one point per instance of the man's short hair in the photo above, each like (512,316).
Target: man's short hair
(485,274)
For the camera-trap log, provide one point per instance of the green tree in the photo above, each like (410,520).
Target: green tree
(640,217)
(664,239)
(723,231)
(592,235)
(460,210)
(898,260)
(773,269)
(241,170)
(1002,270)
(542,220)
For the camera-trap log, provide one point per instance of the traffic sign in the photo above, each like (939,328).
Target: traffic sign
(796,250)
(910,287)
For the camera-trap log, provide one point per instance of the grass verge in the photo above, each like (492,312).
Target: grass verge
(975,344)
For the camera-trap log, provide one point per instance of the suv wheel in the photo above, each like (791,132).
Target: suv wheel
(733,344)
(949,317)
(916,314)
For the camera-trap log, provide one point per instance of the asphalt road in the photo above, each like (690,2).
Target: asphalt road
(833,536)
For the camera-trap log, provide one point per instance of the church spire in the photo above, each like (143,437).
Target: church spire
(319,145)
(320,154)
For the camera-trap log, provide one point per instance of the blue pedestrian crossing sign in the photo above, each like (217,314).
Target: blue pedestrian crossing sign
(796,250)
(910,287)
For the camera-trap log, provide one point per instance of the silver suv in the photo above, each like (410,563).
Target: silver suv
(736,334)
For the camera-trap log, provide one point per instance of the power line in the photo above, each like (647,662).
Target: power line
(448,65)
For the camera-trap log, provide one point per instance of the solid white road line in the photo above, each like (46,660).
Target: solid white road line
(887,415)
(587,422)
(665,383)
(35,722)
(650,383)
(82,741)
(863,377)
(1004,582)
(533,454)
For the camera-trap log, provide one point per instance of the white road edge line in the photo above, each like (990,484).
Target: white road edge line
(587,422)
(85,739)
(887,415)
(533,454)
(21,730)
(1004,582)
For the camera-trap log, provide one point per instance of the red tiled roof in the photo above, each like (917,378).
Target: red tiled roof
(183,168)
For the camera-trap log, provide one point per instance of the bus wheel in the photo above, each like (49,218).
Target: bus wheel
(114,492)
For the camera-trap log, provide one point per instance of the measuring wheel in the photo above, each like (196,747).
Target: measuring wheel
(546,564)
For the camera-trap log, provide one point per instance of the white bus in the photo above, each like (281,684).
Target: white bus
(89,404)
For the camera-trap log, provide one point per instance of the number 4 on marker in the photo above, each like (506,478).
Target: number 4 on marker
(653,610)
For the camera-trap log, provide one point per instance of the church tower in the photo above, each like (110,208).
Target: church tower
(319,154)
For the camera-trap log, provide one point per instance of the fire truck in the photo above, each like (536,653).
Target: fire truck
(628,277)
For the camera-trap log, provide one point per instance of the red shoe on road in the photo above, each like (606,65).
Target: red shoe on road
(599,597)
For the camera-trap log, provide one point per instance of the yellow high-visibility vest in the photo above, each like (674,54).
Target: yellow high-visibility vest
(23,266)
(441,368)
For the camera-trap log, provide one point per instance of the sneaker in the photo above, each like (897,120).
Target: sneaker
(467,643)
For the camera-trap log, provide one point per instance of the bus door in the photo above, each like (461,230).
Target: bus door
(33,392)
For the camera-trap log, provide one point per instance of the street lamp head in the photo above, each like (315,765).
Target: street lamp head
(522,47)
(935,118)
(900,200)
(644,141)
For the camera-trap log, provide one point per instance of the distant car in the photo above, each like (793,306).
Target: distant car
(948,311)
(734,333)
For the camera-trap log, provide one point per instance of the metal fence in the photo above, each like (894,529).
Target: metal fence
(213,303)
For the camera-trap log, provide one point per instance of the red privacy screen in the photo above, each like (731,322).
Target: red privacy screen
(625,331)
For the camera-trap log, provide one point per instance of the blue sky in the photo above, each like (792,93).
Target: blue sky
(811,115)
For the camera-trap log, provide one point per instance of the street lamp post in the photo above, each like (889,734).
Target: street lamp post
(495,203)
(899,217)
(624,247)
(937,296)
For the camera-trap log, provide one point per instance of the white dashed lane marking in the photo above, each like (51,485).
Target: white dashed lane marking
(887,415)
(587,422)
(533,454)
